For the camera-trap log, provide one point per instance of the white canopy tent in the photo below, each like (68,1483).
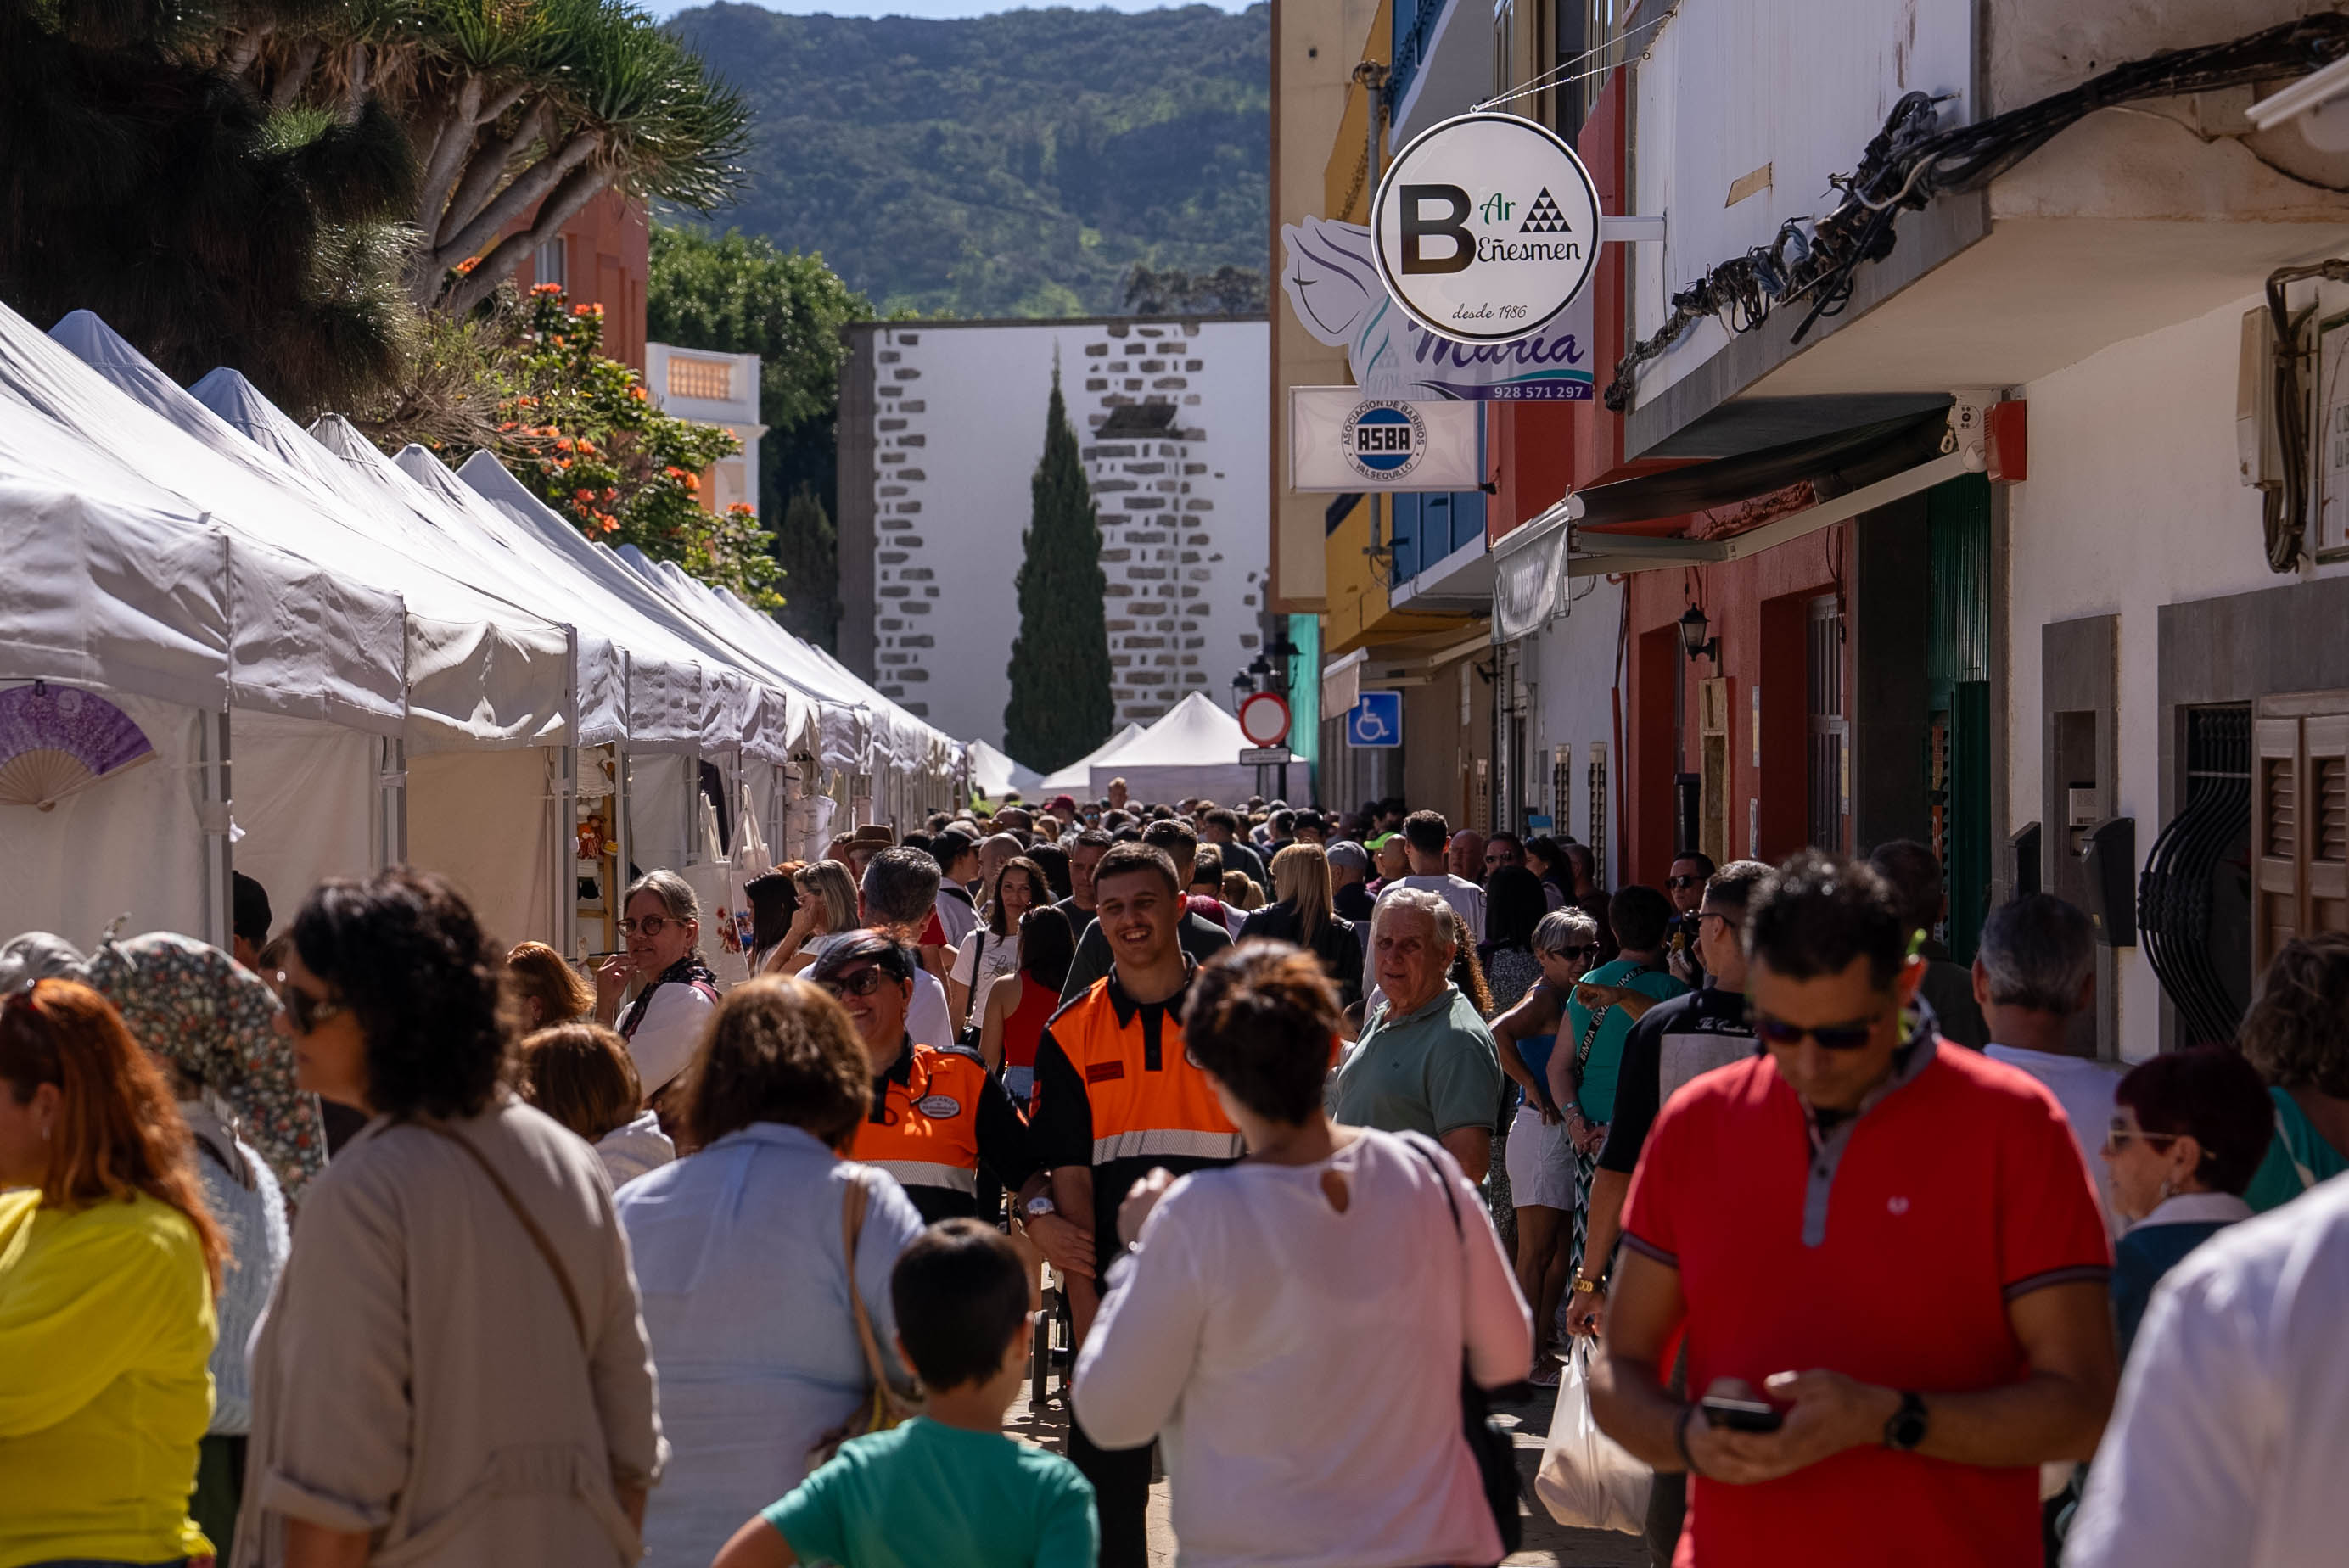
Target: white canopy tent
(1193,750)
(476,783)
(995,774)
(1077,778)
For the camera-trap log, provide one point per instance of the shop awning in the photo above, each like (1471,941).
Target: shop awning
(1720,510)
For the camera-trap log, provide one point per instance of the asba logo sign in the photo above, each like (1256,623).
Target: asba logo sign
(1385,441)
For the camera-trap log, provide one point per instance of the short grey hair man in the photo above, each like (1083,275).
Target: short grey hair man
(2039,952)
(1345,856)
(1422,902)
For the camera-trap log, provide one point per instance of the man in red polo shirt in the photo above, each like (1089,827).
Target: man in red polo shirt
(1887,1241)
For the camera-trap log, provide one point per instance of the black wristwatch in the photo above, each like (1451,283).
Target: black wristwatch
(1906,1429)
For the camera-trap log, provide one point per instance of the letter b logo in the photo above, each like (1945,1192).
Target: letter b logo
(1417,225)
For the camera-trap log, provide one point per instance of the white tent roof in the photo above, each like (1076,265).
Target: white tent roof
(995,774)
(1193,749)
(482,670)
(114,579)
(1077,778)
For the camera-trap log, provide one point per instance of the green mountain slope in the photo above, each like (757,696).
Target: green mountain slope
(1008,165)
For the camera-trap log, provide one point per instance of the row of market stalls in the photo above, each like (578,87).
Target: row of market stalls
(318,660)
(1191,752)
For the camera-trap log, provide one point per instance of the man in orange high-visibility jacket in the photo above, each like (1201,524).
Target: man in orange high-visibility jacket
(937,1117)
(1116,1097)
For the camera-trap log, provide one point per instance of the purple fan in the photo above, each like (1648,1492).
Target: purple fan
(57,739)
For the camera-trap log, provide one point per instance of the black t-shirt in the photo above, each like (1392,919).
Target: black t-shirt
(1707,1025)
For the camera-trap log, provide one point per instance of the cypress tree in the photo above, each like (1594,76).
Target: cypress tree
(1059,706)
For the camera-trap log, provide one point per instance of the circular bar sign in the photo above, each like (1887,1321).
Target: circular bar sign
(1486,227)
(1264,719)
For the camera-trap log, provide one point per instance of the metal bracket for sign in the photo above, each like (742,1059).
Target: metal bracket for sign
(1630,230)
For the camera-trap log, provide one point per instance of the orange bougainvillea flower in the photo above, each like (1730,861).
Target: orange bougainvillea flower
(587,495)
(547,288)
(610,493)
(637,392)
(563,444)
(465,268)
(586,446)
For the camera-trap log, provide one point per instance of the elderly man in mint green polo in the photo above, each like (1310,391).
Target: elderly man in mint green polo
(1425,1062)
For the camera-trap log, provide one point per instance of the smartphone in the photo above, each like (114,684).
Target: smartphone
(1741,1415)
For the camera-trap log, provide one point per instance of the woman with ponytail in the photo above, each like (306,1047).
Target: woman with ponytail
(108,1265)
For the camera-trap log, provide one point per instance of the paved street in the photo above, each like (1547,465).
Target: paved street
(1547,1543)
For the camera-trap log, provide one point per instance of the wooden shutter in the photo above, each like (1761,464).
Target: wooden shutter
(2299,820)
(2275,837)
(2324,863)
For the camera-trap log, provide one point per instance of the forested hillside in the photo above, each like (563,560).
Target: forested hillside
(1017,164)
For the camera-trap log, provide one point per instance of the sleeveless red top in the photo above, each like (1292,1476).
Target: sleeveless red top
(1025,1026)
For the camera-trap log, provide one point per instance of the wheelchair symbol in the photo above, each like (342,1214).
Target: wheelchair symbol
(1376,720)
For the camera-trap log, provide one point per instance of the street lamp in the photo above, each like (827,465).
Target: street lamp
(1241,688)
(1286,653)
(1693,627)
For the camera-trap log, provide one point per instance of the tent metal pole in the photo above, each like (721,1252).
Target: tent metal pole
(214,815)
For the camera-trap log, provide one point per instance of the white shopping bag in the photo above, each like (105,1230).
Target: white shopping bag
(1587,1479)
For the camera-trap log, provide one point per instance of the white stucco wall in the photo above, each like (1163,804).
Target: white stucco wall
(1713,106)
(959,430)
(2133,502)
(1574,672)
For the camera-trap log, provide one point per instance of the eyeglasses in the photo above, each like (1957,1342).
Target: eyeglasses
(864,983)
(307,1011)
(650,925)
(2120,1135)
(1704,914)
(1679,884)
(1830,1037)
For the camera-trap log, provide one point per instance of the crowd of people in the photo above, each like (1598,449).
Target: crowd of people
(376,1240)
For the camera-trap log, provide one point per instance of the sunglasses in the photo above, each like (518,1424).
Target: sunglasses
(1677,884)
(1577,954)
(1773,1031)
(305,1011)
(864,983)
(2120,1135)
(650,925)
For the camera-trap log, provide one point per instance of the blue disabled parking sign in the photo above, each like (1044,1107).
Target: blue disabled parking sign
(1376,720)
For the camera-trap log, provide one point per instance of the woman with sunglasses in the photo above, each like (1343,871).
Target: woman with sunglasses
(1539,1161)
(662,926)
(453,1369)
(108,1266)
(2188,1130)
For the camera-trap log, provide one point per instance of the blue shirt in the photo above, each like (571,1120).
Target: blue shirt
(740,1261)
(926,1494)
(1596,1091)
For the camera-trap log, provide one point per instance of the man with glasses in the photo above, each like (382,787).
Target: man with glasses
(1685,887)
(937,1117)
(1882,1248)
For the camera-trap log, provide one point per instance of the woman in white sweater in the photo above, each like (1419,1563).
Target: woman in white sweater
(1291,1328)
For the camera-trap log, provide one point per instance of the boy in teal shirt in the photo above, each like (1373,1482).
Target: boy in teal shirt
(948,1487)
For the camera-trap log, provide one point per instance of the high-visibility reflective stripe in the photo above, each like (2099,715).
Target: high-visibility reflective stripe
(922,1173)
(1185,1145)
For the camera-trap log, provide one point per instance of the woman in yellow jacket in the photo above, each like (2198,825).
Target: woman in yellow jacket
(109,1262)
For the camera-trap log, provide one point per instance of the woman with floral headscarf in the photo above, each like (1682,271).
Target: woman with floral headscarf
(207,1022)
(215,1022)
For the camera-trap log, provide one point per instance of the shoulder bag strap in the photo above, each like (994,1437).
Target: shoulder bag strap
(537,1235)
(852,1226)
(1599,1017)
(976,1008)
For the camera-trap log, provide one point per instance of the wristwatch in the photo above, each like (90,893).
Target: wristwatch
(1906,1429)
(1038,1206)
(1583,1286)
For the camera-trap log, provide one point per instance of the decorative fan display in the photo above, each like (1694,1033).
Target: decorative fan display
(56,741)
